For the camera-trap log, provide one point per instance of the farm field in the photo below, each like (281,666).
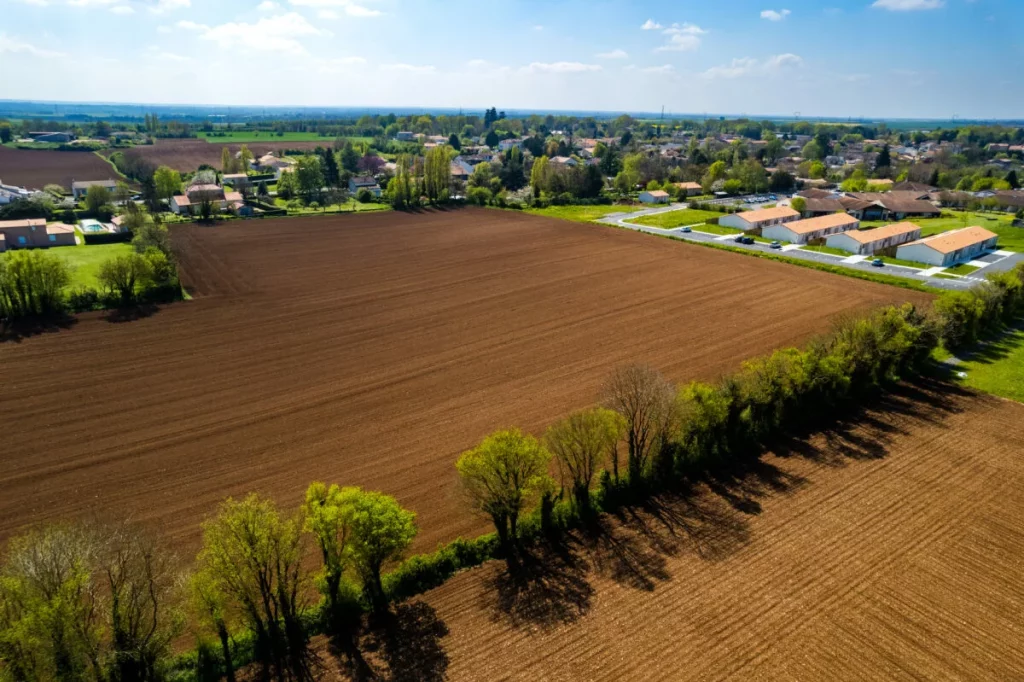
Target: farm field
(886,548)
(253,136)
(37,168)
(186,155)
(581,214)
(371,350)
(680,218)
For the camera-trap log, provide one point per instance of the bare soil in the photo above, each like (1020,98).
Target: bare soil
(371,350)
(888,547)
(36,168)
(186,155)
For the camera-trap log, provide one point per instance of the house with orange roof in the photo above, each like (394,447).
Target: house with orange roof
(868,242)
(760,218)
(804,231)
(950,248)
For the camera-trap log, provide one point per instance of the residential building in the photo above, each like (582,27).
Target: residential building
(271,163)
(566,161)
(238,181)
(689,189)
(761,218)
(406,136)
(895,205)
(657,196)
(949,248)
(34,233)
(811,229)
(360,182)
(868,242)
(506,145)
(80,188)
(58,138)
(9,193)
(191,201)
(913,187)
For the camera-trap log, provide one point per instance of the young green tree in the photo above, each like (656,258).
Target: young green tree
(581,443)
(32,284)
(501,476)
(437,174)
(123,275)
(328,517)
(5,133)
(245,158)
(209,609)
(884,159)
(512,172)
(539,176)
(798,204)
(253,557)
(167,181)
(349,157)
(381,531)
(96,197)
(310,176)
(227,161)
(454,142)
(644,398)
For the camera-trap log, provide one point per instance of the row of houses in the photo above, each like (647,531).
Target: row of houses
(842,231)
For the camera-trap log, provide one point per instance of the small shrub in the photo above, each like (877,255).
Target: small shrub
(364,196)
(83,300)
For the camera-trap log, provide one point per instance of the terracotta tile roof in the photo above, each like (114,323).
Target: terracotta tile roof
(823,222)
(826,205)
(815,194)
(182,200)
(59,228)
(763,214)
(954,240)
(657,193)
(30,222)
(232,196)
(688,185)
(879,233)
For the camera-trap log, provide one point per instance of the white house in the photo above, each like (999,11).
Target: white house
(949,248)
(657,196)
(868,242)
(803,231)
(405,136)
(272,163)
(506,145)
(80,189)
(367,182)
(566,161)
(9,193)
(761,218)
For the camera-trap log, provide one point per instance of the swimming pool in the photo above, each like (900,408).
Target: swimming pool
(91,225)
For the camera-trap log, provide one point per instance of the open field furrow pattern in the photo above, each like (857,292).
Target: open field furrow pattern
(372,350)
(36,168)
(888,547)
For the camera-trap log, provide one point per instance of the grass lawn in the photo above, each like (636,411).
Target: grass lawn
(350,206)
(940,275)
(1010,237)
(246,136)
(717,229)
(85,260)
(672,219)
(828,249)
(909,263)
(997,366)
(580,214)
(962,269)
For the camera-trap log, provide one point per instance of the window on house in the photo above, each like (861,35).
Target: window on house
(21,240)
(53,237)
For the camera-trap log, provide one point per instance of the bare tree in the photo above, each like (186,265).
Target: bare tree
(645,399)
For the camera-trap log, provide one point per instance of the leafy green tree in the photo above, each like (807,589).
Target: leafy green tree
(539,176)
(332,175)
(328,516)
(227,161)
(512,172)
(96,197)
(501,476)
(454,142)
(123,275)
(581,443)
(437,174)
(349,157)
(5,133)
(813,150)
(798,204)
(381,531)
(32,284)
(310,177)
(492,139)
(1011,179)
(210,611)
(253,556)
(245,158)
(167,181)
(287,185)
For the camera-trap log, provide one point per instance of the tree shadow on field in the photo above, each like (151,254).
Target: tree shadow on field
(548,588)
(16,332)
(131,313)
(403,645)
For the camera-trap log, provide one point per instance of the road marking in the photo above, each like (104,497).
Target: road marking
(1004,254)
(791,247)
(853,260)
(931,271)
(725,237)
(978,264)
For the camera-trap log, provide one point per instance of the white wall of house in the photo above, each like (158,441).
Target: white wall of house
(847,243)
(648,198)
(922,253)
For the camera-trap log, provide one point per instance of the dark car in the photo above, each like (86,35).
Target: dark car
(878,262)
(744,239)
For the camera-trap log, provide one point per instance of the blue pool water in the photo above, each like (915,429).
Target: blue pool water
(92,226)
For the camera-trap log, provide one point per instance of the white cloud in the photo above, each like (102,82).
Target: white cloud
(664,68)
(907,5)
(744,66)
(650,25)
(614,54)
(122,9)
(165,30)
(268,6)
(538,27)
(408,68)
(352,8)
(328,14)
(561,67)
(772,15)
(682,38)
(269,34)
(338,65)
(170,6)
(15,45)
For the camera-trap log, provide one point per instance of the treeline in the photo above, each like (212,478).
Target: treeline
(69,592)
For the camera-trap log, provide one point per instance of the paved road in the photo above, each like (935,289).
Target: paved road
(621,220)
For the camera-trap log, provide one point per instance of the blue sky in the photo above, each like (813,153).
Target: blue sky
(888,58)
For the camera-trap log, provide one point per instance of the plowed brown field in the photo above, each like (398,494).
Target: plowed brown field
(36,168)
(187,155)
(889,548)
(370,351)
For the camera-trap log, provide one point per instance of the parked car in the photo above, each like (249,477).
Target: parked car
(878,262)
(744,239)
(775,245)
(687,229)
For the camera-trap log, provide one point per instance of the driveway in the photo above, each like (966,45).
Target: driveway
(958,284)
